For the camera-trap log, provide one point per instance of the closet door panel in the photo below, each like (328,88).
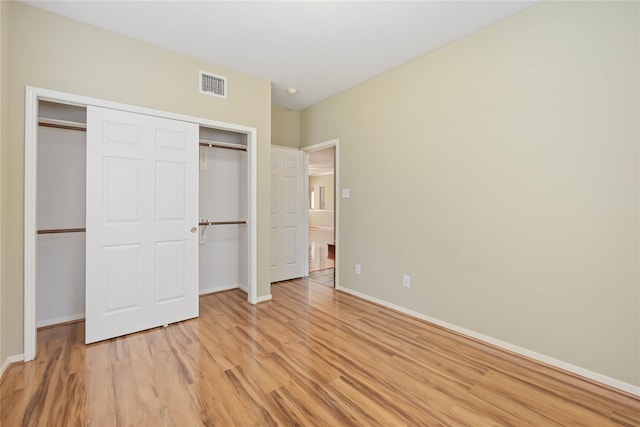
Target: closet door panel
(171,271)
(142,204)
(170,186)
(122,190)
(122,278)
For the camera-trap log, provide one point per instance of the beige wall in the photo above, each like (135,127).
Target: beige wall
(285,127)
(501,173)
(52,52)
(4,80)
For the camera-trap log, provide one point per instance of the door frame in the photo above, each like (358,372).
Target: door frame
(32,96)
(336,177)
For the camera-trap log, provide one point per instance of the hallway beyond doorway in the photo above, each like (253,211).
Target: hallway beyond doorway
(318,249)
(321,262)
(322,165)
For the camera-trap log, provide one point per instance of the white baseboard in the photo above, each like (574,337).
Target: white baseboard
(58,320)
(590,375)
(263,299)
(218,289)
(9,361)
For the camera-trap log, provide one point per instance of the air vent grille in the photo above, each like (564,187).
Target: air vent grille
(212,84)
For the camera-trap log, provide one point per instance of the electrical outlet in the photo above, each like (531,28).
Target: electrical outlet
(406,281)
(358,270)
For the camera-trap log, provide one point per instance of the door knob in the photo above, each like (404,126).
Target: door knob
(194,229)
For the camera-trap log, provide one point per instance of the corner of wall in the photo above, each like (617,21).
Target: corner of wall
(285,127)
(489,214)
(4,79)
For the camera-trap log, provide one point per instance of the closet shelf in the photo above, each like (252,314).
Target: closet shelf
(62,230)
(222,222)
(62,124)
(227,145)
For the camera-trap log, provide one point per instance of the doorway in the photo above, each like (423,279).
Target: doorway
(322,207)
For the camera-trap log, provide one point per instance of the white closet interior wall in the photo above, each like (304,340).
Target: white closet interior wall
(61,201)
(61,195)
(224,262)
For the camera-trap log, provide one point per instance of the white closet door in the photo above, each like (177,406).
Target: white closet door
(286,214)
(142,221)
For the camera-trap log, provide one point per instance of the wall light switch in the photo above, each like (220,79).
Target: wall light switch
(345,193)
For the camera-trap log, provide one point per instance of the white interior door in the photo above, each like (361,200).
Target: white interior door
(287,220)
(142,222)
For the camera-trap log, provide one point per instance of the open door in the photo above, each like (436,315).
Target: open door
(287,217)
(142,222)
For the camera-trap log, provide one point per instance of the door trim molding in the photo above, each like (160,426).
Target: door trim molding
(336,176)
(35,94)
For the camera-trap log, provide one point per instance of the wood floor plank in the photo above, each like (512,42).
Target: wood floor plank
(541,401)
(310,356)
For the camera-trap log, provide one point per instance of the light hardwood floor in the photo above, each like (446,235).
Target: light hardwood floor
(318,250)
(311,356)
(326,277)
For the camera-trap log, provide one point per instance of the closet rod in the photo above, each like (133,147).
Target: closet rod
(62,230)
(222,222)
(62,124)
(228,147)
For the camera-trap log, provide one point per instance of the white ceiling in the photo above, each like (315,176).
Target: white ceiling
(319,47)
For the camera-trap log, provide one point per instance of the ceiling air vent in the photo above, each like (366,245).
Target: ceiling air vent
(212,84)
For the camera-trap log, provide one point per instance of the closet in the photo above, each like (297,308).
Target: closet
(224,261)
(61,200)
(61,195)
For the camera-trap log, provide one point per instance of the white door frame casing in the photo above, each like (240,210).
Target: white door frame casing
(336,174)
(32,96)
